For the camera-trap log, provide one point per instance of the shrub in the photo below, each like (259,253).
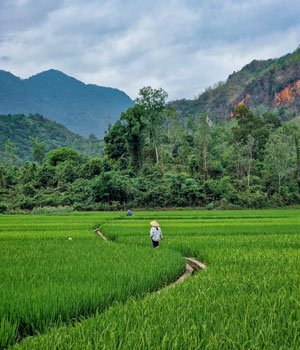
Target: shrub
(3,208)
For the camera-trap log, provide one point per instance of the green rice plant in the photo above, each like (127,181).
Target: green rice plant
(54,269)
(248,298)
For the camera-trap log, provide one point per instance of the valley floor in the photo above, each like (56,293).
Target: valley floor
(64,288)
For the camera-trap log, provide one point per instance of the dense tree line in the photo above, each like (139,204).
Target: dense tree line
(153,158)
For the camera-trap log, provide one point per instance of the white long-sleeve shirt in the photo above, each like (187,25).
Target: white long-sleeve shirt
(156,234)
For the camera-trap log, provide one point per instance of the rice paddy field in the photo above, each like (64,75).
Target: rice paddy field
(62,287)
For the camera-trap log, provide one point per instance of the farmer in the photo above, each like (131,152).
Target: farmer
(129,212)
(155,233)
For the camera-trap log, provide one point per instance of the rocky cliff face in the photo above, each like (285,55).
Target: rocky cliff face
(266,85)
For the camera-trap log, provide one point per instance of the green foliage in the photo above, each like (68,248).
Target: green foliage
(46,176)
(93,167)
(10,157)
(250,125)
(3,208)
(38,150)
(63,154)
(115,141)
(281,167)
(153,160)
(134,128)
(33,136)
(152,102)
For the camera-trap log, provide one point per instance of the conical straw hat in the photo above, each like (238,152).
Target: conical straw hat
(154,223)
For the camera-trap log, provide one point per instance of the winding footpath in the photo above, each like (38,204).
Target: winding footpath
(192,264)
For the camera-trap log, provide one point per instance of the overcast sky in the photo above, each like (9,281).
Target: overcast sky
(182,46)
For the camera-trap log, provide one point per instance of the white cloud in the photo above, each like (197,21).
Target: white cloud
(182,46)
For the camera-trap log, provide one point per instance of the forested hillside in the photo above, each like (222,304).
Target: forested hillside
(152,159)
(21,136)
(273,84)
(84,109)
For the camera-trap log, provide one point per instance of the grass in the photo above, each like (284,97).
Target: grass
(55,270)
(248,298)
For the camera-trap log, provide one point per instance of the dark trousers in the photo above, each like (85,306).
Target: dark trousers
(155,244)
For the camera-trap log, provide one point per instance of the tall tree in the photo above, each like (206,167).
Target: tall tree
(250,124)
(203,140)
(115,141)
(293,130)
(135,125)
(249,157)
(3,181)
(280,157)
(38,150)
(10,156)
(153,103)
(176,140)
(244,158)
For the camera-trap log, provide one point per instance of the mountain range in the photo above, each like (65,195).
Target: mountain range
(263,85)
(83,108)
(272,84)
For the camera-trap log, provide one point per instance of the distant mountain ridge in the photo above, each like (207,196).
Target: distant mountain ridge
(82,108)
(272,84)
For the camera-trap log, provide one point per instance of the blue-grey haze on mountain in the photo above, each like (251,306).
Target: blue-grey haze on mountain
(83,108)
(181,45)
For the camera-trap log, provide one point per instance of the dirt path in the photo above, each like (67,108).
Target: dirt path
(192,264)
